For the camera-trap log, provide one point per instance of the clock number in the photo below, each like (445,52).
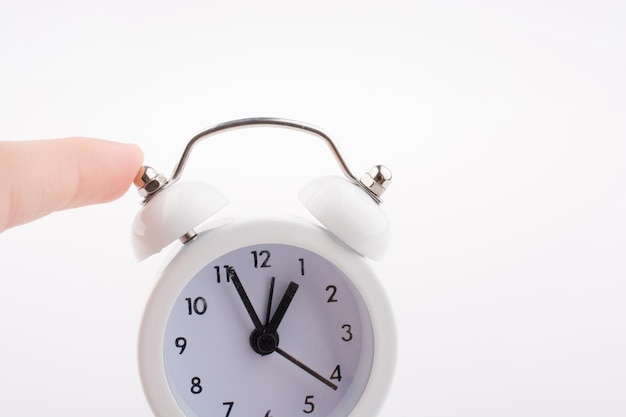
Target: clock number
(181,343)
(309,404)
(230,407)
(348,336)
(219,274)
(336,374)
(196,388)
(333,292)
(198,306)
(301,266)
(261,258)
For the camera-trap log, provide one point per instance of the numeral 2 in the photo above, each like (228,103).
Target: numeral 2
(333,292)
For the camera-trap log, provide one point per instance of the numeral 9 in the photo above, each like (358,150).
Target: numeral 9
(181,343)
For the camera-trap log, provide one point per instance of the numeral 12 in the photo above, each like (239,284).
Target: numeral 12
(261,258)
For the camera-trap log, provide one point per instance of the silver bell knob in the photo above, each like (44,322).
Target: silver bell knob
(377,180)
(148,181)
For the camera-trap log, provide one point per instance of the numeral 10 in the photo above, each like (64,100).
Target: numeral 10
(198,305)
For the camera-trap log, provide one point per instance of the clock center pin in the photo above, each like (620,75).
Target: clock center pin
(263,343)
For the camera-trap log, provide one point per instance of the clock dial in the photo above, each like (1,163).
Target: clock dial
(268,330)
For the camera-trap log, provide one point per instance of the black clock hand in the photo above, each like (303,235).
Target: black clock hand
(265,340)
(244,298)
(290,292)
(305,368)
(269,302)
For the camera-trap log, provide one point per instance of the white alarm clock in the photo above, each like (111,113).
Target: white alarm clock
(271,316)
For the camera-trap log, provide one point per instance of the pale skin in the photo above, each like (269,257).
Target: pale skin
(42,176)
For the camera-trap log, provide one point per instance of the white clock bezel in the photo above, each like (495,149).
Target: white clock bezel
(245,232)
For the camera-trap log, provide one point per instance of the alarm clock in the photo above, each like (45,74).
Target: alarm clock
(272,315)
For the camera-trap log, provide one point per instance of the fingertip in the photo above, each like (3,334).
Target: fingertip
(130,160)
(39,177)
(106,171)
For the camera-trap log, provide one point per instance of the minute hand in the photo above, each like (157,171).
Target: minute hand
(272,326)
(244,298)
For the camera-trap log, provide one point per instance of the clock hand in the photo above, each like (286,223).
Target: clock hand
(244,298)
(265,340)
(305,368)
(290,292)
(269,302)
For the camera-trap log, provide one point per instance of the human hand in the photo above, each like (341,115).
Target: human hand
(42,176)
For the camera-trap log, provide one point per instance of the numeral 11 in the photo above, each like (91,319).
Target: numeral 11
(219,274)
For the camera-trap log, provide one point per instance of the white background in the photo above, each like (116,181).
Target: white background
(503,123)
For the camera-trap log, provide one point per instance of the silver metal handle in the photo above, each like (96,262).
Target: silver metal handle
(261,121)
(374,182)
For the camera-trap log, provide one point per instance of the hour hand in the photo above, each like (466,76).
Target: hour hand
(272,326)
(244,298)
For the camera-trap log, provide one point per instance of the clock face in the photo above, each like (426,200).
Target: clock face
(268,330)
